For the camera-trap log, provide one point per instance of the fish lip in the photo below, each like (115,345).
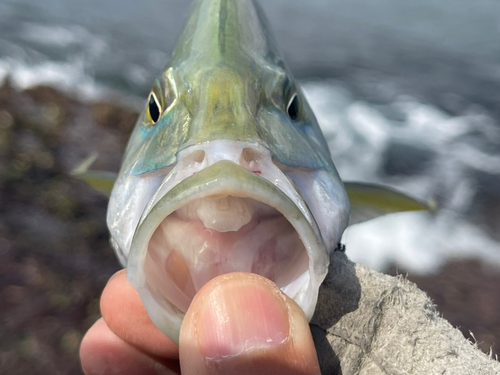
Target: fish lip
(226,177)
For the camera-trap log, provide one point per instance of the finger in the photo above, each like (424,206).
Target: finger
(125,315)
(103,353)
(241,324)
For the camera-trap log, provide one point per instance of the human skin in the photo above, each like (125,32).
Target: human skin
(237,323)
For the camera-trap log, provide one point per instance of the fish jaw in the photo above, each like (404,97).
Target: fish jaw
(238,176)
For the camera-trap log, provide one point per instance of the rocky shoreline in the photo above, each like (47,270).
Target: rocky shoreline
(54,253)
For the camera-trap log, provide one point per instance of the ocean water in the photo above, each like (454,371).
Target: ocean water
(416,147)
(407,93)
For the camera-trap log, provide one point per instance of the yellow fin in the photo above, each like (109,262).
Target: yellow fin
(102,181)
(369,201)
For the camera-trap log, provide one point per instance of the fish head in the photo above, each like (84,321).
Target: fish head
(226,170)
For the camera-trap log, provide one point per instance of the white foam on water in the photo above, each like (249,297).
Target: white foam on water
(359,134)
(70,77)
(78,51)
(67,76)
(52,35)
(418,242)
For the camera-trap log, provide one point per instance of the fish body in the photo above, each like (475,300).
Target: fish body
(226,170)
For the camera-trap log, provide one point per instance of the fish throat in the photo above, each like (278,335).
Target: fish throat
(220,234)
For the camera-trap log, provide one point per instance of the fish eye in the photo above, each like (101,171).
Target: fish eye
(293,107)
(154,108)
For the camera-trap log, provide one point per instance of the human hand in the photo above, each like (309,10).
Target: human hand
(238,323)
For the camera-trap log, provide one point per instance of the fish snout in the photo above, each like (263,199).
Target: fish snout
(252,156)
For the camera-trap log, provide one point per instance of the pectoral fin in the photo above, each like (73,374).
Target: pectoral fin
(369,201)
(102,181)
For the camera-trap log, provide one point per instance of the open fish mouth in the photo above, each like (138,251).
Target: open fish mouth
(222,219)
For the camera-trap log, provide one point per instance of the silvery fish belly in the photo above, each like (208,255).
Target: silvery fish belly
(226,170)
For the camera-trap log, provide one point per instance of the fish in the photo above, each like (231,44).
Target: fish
(227,170)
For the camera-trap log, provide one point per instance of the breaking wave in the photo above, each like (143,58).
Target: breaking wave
(453,161)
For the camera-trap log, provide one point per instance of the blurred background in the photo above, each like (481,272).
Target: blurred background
(407,93)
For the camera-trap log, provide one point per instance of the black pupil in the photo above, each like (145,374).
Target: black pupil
(154,111)
(293,108)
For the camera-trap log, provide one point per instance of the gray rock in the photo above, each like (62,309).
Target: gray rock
(404,158)
(485,209)
(370,323)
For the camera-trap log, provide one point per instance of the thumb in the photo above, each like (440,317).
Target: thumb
(242,323)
